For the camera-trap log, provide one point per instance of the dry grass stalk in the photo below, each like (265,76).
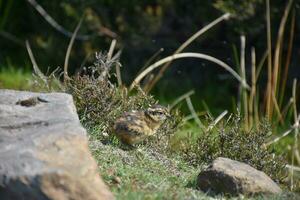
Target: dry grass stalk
(286,133)
(111,49)
(149,69)
(68,52)
(253,111)
(181,98)
(151,59)
(269,44)
(243,75)
(184,45)
(109,57)
(261,64)
(34,63)
(285,109)
(193,112)
(217,120)
(148,62)
(278,48)
(53,23)
(296,129)
(288,58)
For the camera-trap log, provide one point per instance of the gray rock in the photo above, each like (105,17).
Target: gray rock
(44,150)
(231,177)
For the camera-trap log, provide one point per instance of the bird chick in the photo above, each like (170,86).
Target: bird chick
(135,126)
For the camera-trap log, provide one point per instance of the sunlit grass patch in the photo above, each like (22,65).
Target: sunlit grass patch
(145,174)
(15,78)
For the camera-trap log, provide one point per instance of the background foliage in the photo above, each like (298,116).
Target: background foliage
(142,28)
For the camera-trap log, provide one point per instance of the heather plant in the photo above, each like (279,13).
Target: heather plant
(230,139)
(101,97)
(100,101)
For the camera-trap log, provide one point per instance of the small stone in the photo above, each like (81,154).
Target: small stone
(230,177)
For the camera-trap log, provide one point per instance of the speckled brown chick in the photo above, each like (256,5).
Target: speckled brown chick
(135,126)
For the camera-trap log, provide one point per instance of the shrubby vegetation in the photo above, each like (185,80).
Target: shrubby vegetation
(141,28)
(100,101)
(231,140)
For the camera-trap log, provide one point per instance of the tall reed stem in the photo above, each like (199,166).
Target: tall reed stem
(278,50)
(253,119)
(269,84)
(288,59)
(243,75)
(184,45)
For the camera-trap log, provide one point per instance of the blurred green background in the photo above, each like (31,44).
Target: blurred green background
(141,28)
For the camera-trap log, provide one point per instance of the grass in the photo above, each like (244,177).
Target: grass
(159,168)
(231,140)
(144,173)
(148,171)
(14,78)
(278,107)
